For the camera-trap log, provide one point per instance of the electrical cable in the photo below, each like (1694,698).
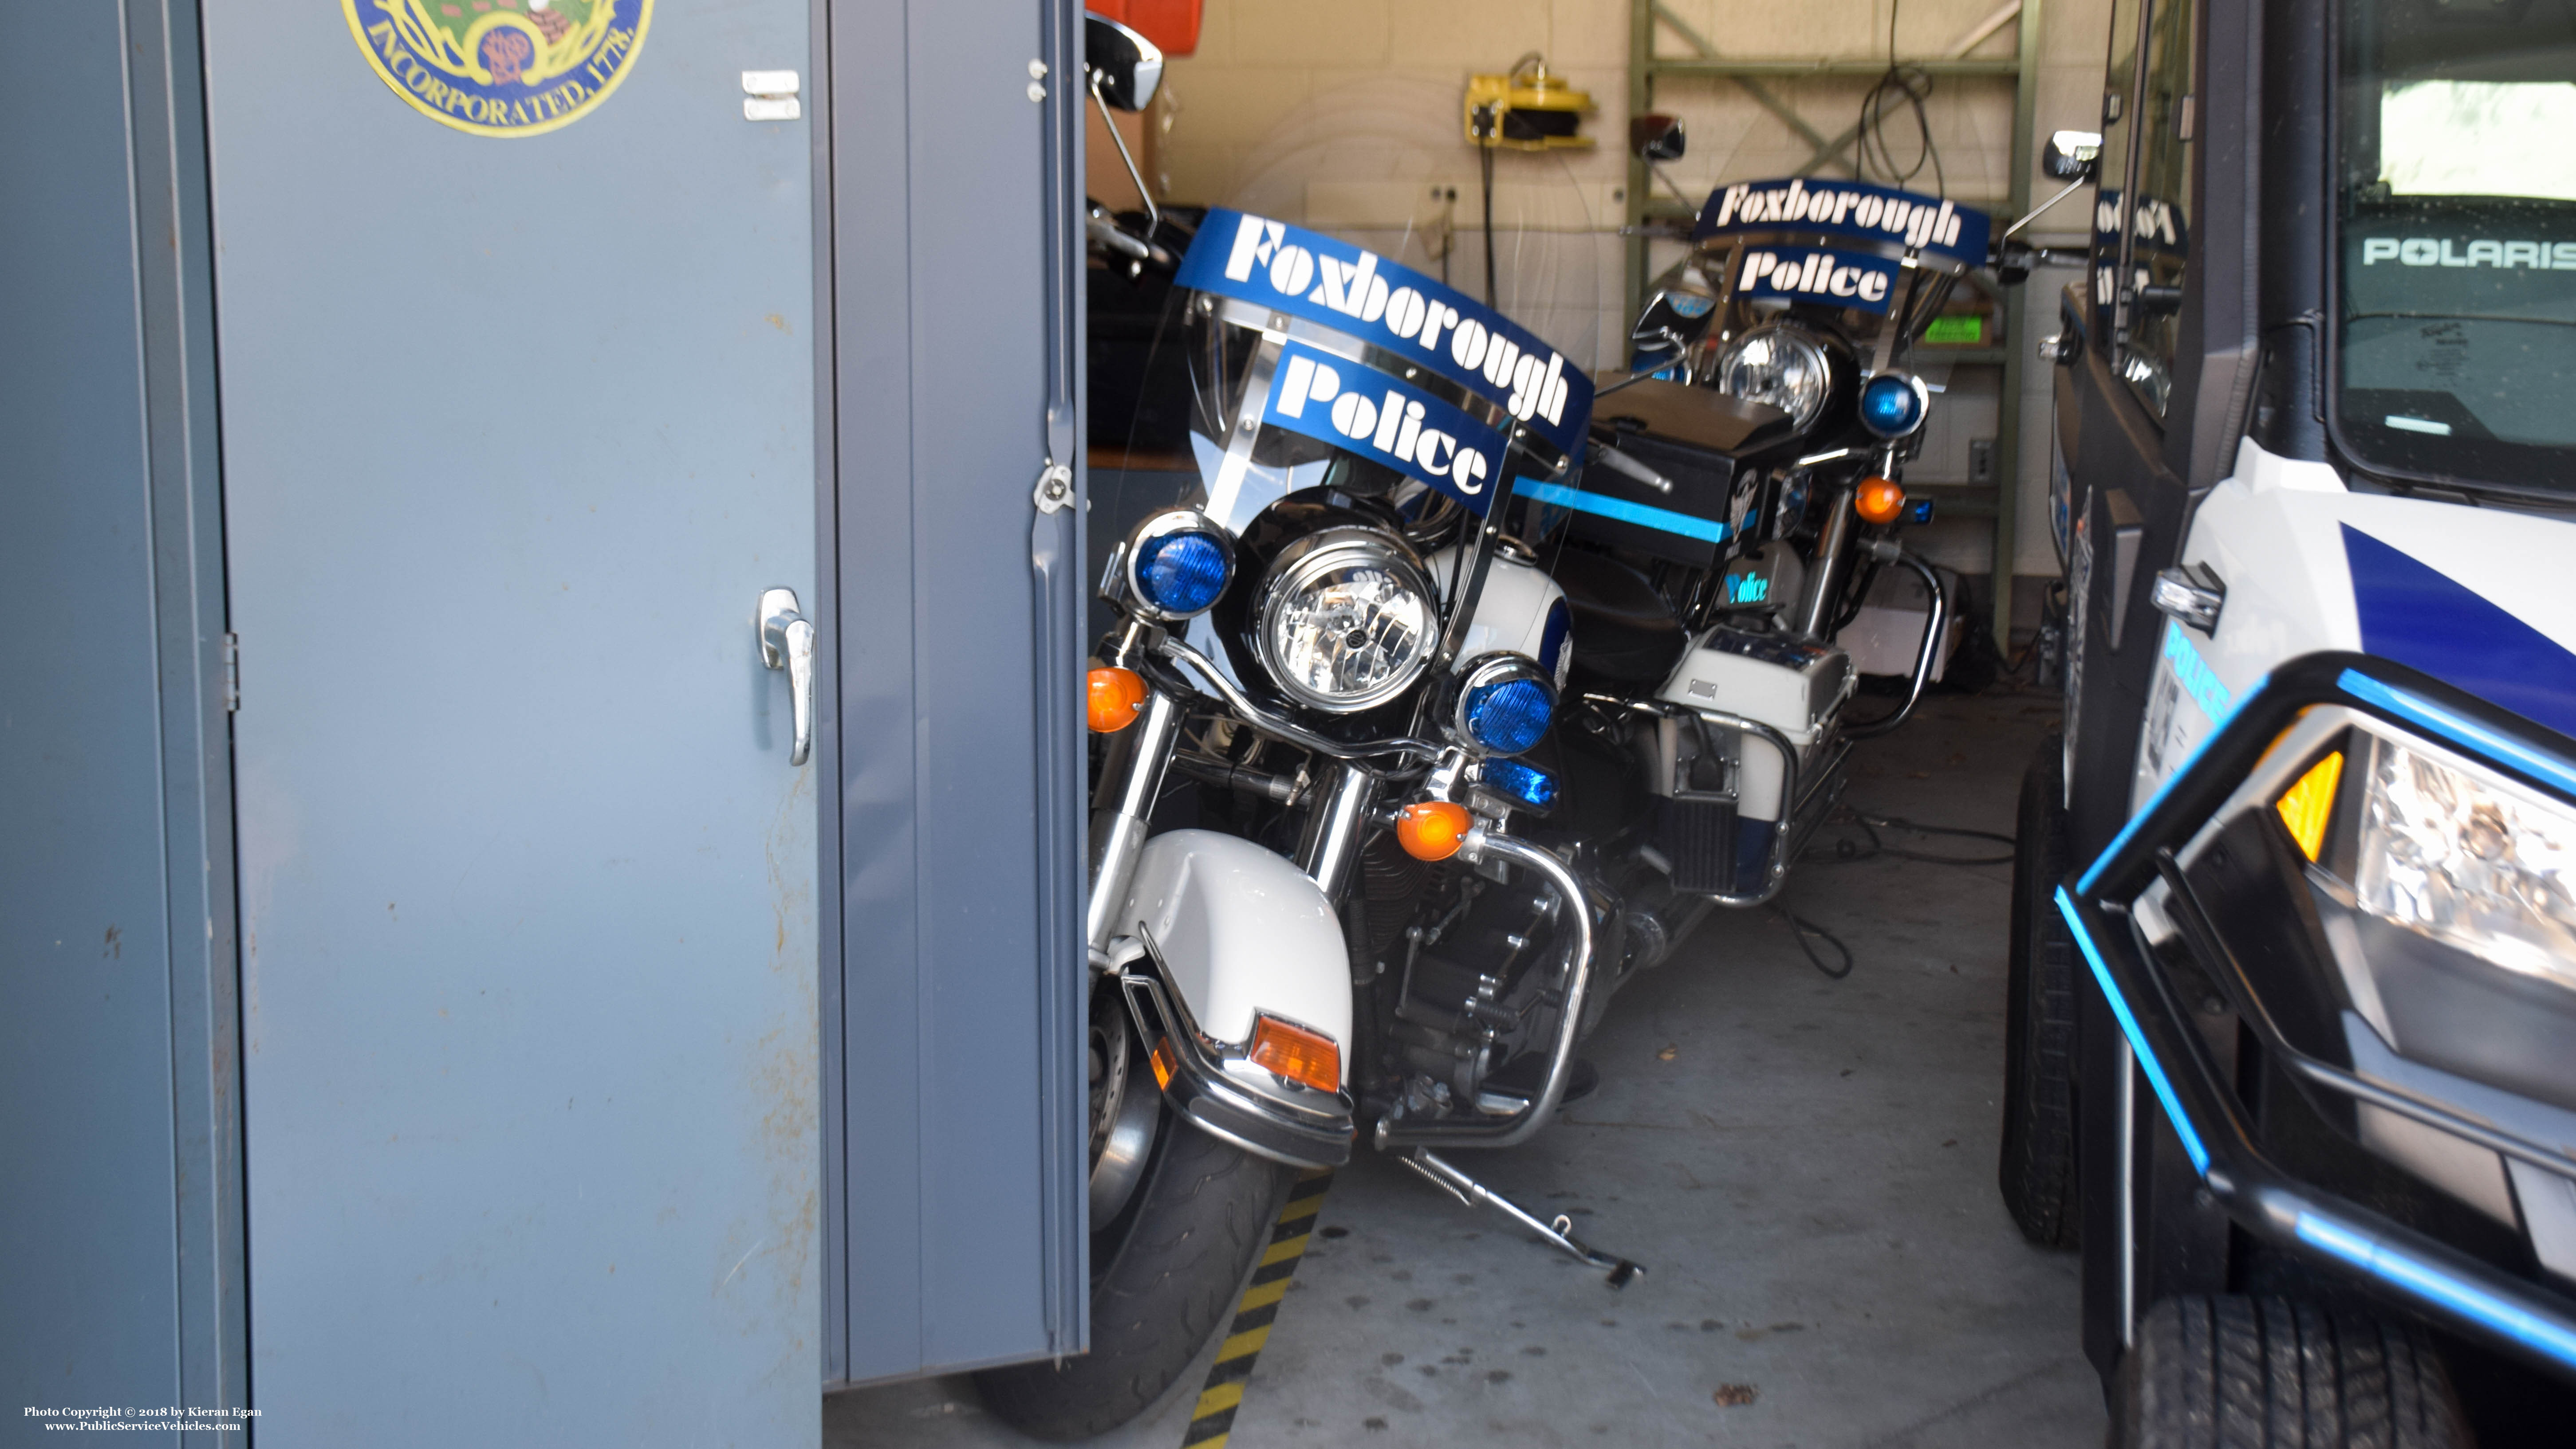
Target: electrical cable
(1851,852)
(1485,164)
(1801,928)
(1907,85)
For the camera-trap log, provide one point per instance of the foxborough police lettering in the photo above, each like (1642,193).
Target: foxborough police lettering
(1849,208)
(1843,279)
(1340,402)
(1352,290)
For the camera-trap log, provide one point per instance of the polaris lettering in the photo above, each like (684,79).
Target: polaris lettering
(1355,291)
(1375,416)
(2428,251)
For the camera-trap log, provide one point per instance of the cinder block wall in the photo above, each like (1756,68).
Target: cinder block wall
(1346,115)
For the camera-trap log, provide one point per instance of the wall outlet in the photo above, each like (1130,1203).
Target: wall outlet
(1981,461)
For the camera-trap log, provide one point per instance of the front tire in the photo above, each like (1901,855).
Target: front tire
(1164,1275)
(2037,1165)
(2263,1373)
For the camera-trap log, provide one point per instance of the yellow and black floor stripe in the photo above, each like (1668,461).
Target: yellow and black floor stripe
(1213,1420)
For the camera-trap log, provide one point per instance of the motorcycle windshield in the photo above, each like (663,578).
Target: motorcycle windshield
(1873,264)
(1314,361)
(1317,364)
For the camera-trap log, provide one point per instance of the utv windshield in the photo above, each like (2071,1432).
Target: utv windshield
(2456,348)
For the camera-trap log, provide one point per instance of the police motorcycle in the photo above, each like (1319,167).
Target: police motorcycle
(1324,901)
(1744,496)
(2291,1047)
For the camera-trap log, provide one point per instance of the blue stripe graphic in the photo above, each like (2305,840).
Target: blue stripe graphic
(2466,1299)
(1621,509)
(2457,730)
(2420,616)
(2093,873)
(2129,1027)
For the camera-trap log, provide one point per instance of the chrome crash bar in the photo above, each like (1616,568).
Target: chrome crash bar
(1482,845)
(1799,814)
(1929,651)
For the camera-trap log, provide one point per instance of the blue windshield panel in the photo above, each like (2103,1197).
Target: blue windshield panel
(1338,401)
(1848,208)
(1806,274)
(1358,293)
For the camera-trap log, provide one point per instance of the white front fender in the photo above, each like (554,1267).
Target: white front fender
(1241,930)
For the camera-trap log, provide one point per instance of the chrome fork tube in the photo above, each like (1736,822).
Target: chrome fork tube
(1833,560)
(1335,829)
(1130,782)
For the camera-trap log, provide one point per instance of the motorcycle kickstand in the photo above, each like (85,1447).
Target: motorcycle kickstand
(1442,1174)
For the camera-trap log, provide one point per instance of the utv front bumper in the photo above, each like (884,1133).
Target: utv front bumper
(2140,920)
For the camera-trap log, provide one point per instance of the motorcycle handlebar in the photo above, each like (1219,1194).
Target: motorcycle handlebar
(1108,236)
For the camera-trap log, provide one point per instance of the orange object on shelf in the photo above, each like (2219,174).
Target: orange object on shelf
(1878,500)
(1173,25)
(1112,698)
(1431,829)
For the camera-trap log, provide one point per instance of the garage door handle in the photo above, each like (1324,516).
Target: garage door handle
(787,642)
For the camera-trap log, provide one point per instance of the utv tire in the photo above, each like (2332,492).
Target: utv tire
(1163,1282)
(2262,1373)
(2037,1166)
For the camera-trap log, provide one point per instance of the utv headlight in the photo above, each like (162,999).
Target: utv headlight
(2474,864)
(1177,564)
(1346,621)
(1502,705)
(1780,365)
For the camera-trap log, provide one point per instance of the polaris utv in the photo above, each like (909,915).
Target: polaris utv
(2292,1032)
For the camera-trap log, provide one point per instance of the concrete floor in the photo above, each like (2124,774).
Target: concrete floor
(1805,1166)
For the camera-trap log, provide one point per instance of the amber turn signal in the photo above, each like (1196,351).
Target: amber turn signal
(1115,696)
(2308,806)
(1294,1052)
(1878,500)
(1431,829)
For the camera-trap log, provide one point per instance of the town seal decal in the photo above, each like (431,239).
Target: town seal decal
(501,67)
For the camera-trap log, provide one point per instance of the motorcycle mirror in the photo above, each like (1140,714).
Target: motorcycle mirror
(1656,138)
(2073,155)
(1125,67)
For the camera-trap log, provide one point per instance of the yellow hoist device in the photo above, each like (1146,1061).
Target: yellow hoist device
(1529,109)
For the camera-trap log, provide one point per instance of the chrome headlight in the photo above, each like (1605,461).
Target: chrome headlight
(1346,620)
(1780,365)
(2472,863)
(1502,703)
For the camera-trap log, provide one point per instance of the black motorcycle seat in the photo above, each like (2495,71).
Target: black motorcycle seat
(1624,632)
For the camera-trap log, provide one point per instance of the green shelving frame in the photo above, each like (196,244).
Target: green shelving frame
(1836,153)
